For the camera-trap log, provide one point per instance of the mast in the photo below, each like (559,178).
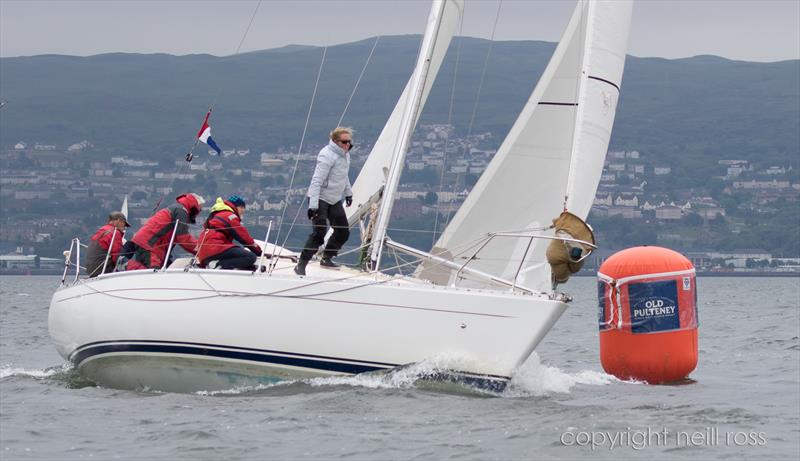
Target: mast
(417,85)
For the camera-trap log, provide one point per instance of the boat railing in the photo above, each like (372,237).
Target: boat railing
(465,269)
(530,237)
(74,248)
(108,252)
(72,256)
(171,242)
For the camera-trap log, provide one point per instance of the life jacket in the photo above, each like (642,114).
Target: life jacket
(98,249)
(155,235)
(221,228)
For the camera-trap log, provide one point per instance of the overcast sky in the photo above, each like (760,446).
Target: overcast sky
(758,30)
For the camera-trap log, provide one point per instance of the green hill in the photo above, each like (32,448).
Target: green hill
(686,111)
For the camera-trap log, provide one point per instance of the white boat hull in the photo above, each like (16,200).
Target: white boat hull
(210,330)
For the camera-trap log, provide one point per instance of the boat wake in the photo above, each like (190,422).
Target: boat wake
(64,373)
(8,371)
(532,379)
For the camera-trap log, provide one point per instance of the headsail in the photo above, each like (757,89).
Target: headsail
(124,208)
(124,211)
(553,156)
(372,177)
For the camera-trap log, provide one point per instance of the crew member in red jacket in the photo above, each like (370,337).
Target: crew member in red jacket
(154,237)
(108,236)
(222,227)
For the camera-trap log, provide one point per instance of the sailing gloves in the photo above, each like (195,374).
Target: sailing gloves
(312,212)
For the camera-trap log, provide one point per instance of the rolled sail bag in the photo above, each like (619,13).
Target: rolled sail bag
(647,315)
(566,257)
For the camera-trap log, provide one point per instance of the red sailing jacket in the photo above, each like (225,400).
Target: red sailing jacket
(221,228)
(155,235)
(103,237)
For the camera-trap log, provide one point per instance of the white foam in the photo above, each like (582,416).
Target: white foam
(396,378)
(9,370)
(244,389)
(535,378)
(392,380)
(532,378)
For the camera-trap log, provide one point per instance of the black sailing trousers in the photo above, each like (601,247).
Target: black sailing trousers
(341,231)
(236,258)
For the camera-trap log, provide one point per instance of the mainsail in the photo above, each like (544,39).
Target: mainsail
(552,158)
(371,179)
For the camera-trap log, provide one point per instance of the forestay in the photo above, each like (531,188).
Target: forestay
(370,181)
(552,158)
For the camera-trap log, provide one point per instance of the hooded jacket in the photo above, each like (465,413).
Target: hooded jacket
(222,227)
(330,182)
(155,235)
(105,237)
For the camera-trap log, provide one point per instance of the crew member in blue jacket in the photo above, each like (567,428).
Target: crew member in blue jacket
(330,185)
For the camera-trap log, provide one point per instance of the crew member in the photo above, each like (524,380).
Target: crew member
(153,240)
(222,227)
(99,259)
(329,185)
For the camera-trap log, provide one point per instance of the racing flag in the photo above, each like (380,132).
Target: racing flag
(204,135)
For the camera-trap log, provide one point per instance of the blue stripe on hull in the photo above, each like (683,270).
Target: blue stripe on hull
(185,349)
(493,383)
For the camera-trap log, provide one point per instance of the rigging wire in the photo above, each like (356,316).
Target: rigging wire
(297,159)
(344,112)
(485,66)
(247,30)
(358,81)
(449,123)
(477,99)
(190,155)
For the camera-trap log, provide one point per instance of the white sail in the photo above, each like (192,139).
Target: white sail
(124,211)
(607,43)
(373,174)
(552,157)
(124,208)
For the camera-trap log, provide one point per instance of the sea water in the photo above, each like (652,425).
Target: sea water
(743,401)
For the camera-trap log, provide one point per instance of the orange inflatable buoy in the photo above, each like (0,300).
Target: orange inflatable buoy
(648,315)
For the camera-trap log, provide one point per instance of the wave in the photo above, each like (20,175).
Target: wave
(532,378)
(240,390)
(8,370)
(536,378)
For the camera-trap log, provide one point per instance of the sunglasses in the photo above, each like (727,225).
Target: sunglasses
(346,141)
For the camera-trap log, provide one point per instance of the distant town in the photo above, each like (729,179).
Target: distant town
(51,193)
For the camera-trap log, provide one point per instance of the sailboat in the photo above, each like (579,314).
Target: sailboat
(478,303)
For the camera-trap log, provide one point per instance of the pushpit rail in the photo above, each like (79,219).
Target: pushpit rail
(74,248)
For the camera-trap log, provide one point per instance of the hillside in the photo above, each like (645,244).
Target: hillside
(687,111)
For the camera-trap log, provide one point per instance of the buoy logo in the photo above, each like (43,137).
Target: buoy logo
(654,306)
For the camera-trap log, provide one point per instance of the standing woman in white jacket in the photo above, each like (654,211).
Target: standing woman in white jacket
(329,186)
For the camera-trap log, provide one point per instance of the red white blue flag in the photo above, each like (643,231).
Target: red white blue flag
(204,135)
